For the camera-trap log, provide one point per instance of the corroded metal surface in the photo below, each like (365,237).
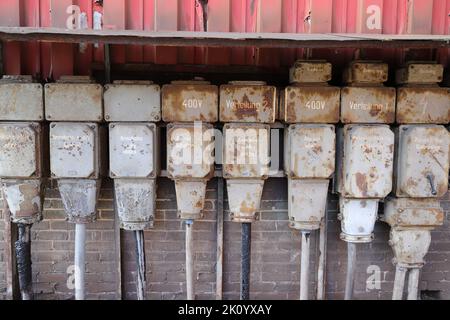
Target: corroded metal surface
(24,199)
(310,151)
(190,198)
(74,150)
(367,161)
(73,102)
(135,203)
(367,105)
(358,217)
(133,150)
(307,201)
(79,198)
(310,72)
(190,102)
(132,101)
(190,151)
(418,213)
(244,199)
(310,104)
(366,72)
(247,103)
(423,161)
(420,73)
(246,150)
(423,105)
(410,246)
(21,102)
(20,150)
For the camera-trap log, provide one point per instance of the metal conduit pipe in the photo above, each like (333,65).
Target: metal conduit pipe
(399,282)
(245,260)
(140,262)
(322,260)
(189,260)
(80,240)
(351,268)
(413,283)
(304,265)
(23,258)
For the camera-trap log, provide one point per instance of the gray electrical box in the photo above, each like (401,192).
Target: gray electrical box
(75,150)
(21,151)
(423,161)
(74,102)
(127,101)
(21,101)
(310,151)
(133,149)
(366,160)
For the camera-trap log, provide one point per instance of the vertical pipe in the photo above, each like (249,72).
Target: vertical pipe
(245,260)
(80,239)
(304,268)
(140,263)
(322,260)
(351,269)
(23,258)
(219,257)
(189,260)
(413,283)
(399,282)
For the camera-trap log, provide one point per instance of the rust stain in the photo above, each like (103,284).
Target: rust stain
(361,182)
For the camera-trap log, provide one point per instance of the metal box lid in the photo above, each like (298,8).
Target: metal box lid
(366,72)
(423,161)
(21,101)
(188,102)
(310,151)
(74,150)
(423,105)
(132,101)
(316,104)
(74,102)
(368,105)
(190,151)
(307,71)
(423,73)
(133,150)
(247,102)
(367,161)
(20,150)
(246,150)
(405,212)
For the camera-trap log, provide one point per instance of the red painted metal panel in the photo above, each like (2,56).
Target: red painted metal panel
(293,16)
(10,16)
(114,19)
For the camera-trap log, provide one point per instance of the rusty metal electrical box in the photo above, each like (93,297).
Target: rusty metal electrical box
(247,101)
(21,99)
(421,100)
(190,162)
(408,213)
(74,99)
(133,150)
(310,151)
(423,161)
(309,98)
(75,150)
(132,101)
(22,147)
(130,106)
(366,100)
(365,161)
(246,152)
(189,101)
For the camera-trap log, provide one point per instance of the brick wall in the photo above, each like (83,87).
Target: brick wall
(275,253)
